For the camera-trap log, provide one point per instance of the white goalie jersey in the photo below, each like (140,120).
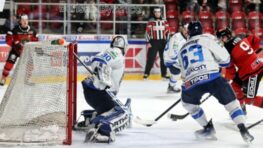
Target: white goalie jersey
(199,59)
(108,67)
(172,47)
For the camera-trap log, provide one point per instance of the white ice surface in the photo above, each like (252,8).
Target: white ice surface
(149,99)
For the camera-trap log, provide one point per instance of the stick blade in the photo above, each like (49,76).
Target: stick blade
(140,121)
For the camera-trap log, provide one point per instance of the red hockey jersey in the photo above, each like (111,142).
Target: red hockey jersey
(21,35)
(245,61)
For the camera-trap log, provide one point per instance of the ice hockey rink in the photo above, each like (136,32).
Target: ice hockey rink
(149,100)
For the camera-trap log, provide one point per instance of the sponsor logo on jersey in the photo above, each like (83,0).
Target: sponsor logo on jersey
(252,82)
(194,69)
(196,80)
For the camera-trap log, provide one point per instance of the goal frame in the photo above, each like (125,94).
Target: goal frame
(71,91)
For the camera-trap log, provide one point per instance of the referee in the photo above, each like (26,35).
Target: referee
(157,32)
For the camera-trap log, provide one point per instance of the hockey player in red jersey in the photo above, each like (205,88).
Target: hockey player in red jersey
(246,69)
(16,38)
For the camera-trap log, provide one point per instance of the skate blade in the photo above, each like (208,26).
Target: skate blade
(248,141)
(206,137)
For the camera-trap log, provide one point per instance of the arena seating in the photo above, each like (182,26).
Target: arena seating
(255,19)
(238,20)
(221,19)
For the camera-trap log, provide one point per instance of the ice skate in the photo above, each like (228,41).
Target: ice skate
(247,137)
(173,89)
(2,81)
(145,77)
(208,133)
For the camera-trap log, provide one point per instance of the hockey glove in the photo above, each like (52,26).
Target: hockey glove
(18,47)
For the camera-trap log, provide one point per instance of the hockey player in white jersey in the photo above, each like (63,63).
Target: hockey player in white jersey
(170,52)
(109,115)
(199,60)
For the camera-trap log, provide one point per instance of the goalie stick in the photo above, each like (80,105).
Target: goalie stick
(151,122)
(176,117)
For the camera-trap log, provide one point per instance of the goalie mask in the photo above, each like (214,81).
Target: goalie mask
(119,42)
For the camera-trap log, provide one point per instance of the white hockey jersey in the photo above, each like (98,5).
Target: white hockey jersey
(200,58)
(109,69)
(172,47)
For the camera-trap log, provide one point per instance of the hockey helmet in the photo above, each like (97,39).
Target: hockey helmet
(22,17)
(195,28)
(224,32)
(119,42)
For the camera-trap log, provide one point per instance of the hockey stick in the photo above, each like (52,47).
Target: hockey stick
(254,124)
(151,122)
(83,64)
(175,117)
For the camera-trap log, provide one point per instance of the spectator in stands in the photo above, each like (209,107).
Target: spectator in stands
(91,14)
(137,30)
(106,1)
(139,11)
(222,4)
(91,11)
(9,23)
(122,1)
(253,5)
(157,32)
(188,5)
(140,2)
(210,5)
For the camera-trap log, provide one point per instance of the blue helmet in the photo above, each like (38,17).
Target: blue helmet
(195,28)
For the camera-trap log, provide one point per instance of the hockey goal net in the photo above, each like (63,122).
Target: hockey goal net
(39,104)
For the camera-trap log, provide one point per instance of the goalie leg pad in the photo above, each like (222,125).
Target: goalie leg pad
(112,122)
(100,100)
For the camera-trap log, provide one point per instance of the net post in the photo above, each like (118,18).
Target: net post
(75,84)
(70,93)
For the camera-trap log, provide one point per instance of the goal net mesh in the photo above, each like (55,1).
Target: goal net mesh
(34,107)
